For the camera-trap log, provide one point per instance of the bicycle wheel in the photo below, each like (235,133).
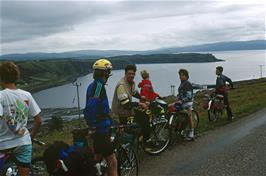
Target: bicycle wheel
(213,115)
(159,138)
(195,118)
(38,167)
(127,161)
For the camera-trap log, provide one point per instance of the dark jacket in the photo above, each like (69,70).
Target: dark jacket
(221,83)
(185,91)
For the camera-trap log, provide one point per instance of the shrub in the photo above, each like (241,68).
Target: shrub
(56,123)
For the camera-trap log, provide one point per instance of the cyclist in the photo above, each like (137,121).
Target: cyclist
(96,114)
(185,99)
(147,93)
(16,106)
(122,105)
(221,88)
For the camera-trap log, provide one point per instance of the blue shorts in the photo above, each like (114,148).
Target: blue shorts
(22,154)
(188,106)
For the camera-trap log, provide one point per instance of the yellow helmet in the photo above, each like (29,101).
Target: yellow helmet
(102,64)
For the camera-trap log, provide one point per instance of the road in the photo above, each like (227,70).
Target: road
(237,149)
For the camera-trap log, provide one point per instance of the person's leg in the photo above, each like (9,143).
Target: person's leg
(104,147)
(190,119)
(23,155)
(143,121)
(112,165)
(189,107)
(228,108)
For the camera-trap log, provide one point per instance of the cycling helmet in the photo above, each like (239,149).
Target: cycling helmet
(103,64)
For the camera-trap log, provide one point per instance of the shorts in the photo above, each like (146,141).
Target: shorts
(22,154)
(187,106)
(102,144)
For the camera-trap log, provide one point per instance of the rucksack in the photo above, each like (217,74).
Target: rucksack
(64,160)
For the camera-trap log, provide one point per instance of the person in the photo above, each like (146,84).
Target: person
(122,105)
(96,114)
(185,99)
(124,91)
(221,88)
(16,107)
(147,93)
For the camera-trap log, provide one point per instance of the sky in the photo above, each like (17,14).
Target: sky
(57,26)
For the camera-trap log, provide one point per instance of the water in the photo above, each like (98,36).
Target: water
(238,65)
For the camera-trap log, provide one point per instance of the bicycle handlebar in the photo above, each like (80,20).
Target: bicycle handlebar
(36,141)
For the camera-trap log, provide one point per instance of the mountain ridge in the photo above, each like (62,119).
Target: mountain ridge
(94,54)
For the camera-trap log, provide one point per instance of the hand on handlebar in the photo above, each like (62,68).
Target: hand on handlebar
(144,105)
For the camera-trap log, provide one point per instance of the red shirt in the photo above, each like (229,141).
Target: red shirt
(147,90)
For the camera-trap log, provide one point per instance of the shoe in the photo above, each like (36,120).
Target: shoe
(191,133)
(190,136)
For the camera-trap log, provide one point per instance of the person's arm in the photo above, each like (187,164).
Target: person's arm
(140,84)
(34,111)
(137,95)
(123,96)
(36,126)
(229,81)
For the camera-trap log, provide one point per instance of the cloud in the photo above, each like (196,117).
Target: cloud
(134,25)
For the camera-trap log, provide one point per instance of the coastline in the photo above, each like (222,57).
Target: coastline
(69,79)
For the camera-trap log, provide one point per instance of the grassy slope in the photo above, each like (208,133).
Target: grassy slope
(41,74)
(247,98)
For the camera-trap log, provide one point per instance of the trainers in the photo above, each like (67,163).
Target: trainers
(191,133)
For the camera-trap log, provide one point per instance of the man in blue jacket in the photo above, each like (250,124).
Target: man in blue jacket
(96,114)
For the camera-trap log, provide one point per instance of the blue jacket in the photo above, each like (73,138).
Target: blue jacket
(96,112)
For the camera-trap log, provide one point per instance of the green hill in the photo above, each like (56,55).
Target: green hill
(41,74)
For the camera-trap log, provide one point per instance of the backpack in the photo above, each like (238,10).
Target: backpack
(64,160)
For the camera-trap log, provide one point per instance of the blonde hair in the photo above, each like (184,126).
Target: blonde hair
(144,74)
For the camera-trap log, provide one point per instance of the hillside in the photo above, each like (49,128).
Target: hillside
(93,54)
(220,46)
(168,58)
(40,74)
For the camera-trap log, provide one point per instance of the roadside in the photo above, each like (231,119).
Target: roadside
(235,149)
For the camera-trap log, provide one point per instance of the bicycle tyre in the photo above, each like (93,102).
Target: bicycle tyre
(212,115)
(163,144)
(127,161)
(38,167)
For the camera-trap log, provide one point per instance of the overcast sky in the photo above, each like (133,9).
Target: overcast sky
(49,26)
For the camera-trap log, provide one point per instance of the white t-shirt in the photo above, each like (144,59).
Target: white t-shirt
(16,106)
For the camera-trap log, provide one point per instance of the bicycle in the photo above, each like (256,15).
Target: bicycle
(178,121)
(159,131)
(37,168)
(214,104)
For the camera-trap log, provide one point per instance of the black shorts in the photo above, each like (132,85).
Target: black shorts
(102,144)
